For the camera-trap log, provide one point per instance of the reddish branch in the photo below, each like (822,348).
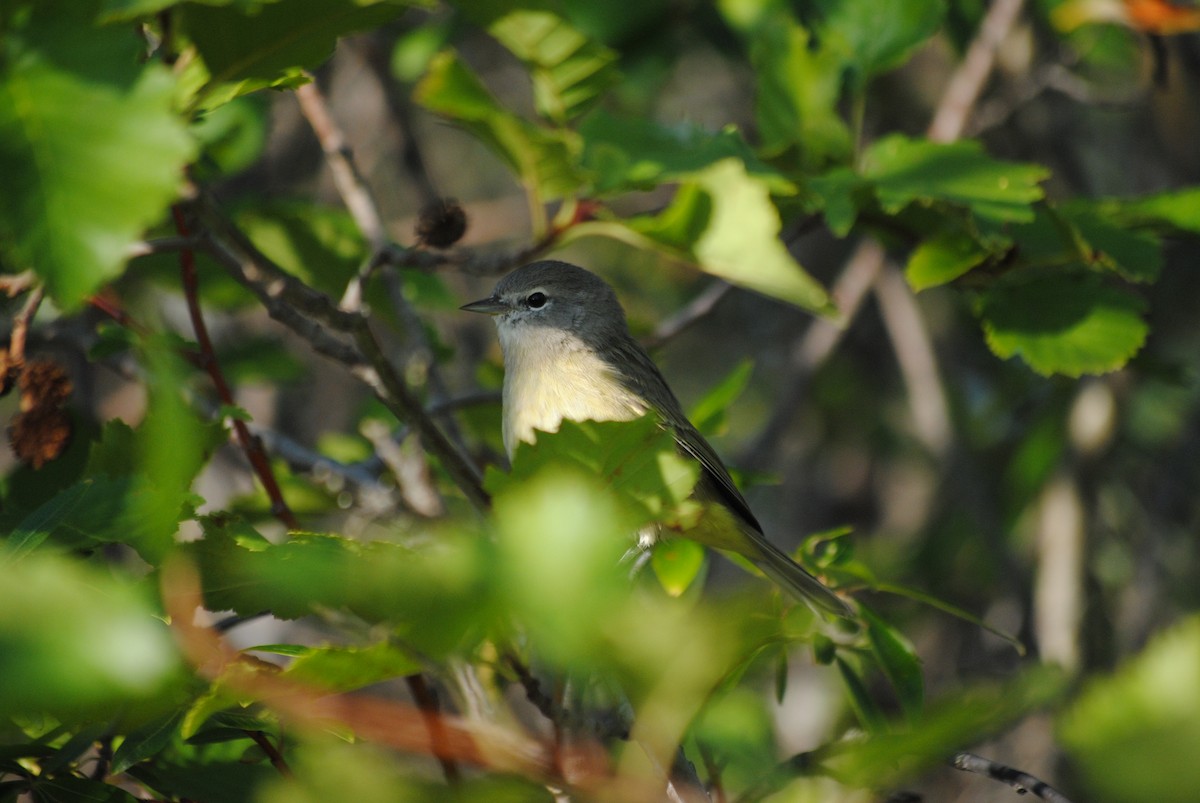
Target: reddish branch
(251,445)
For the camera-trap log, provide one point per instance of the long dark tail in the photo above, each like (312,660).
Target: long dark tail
(792,576)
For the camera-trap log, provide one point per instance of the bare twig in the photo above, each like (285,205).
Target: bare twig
(918,363)
(690,313)
(21,324)
(250,445)
(408,466)
(965,85)
(15,284)
(427,702)
(272,752)
(1021,782)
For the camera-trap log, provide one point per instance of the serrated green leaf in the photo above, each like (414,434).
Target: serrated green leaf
(569,71)
(677,563)
(90,148)
(246,48)
(724,219)
(1064,323)
(1124,729)
(898,660)
(908,171)
(340,669)
(634,153)
(543,159)
(943,258)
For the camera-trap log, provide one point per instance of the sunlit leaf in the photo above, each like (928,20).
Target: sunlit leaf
(348,668)
(908,171)
(569,71)
(1125,729)
(724,219)
(90,148)
(543,159)
(677,563)
(943,258)
(1064,323)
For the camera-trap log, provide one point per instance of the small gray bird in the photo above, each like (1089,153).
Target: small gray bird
(568,354)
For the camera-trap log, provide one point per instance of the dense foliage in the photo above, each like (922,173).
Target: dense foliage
(241,386)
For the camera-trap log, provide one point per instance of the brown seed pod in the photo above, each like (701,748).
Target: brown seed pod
(40,435)
(441,224)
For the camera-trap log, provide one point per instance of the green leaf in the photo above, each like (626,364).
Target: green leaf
(899,661)
(544,160)
(836,194)
(953,610)
(635,153)
(1124,729)
(708,414)
(73,789)
(1134,255)
(341,669)
(677,563)
(145,742)
(879,35)
(908,171)
(799,82)
(725,221)
(321,245)
(638,459)
(569,71)
(1064,323)
(1177,209)
(864,707)
(79,640)
(251,47)
(82,186)
(943,258)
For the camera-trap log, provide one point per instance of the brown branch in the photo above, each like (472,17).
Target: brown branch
(1021,782)
(21,324)
(693,311)
(272,752)
(252,446)
(427,702)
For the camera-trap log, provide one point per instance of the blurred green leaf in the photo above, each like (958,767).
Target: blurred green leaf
(799,82)
(543,159)
(677,563)
(865,709)
(321,245)
(838,194)
(144,742)
(569,71)
(232,135)
(1064,323)
(908,171)
(1124,730)
(1176,209)
(1134,255)
(73,789)
(73,640)
(887,759)
(80,188)
(943,258)
(708,414)
(637,459)
(341,669)
(251,47)
(898,660)
(878,35)
(724,220)
(635,153)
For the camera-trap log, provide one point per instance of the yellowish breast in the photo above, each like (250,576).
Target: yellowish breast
(550,375)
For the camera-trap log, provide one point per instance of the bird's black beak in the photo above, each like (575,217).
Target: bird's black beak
(488,306)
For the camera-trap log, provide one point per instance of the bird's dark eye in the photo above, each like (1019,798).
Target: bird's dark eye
(536,300)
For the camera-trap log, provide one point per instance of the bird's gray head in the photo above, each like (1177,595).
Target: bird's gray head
(557,296)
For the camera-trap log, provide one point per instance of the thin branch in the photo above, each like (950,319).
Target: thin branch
(252,446)
(427,702)
(918,363)
(1021,782)
(13,285)
(407,464)
(272,752)
(690,313)
(966,84)
(21,323)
